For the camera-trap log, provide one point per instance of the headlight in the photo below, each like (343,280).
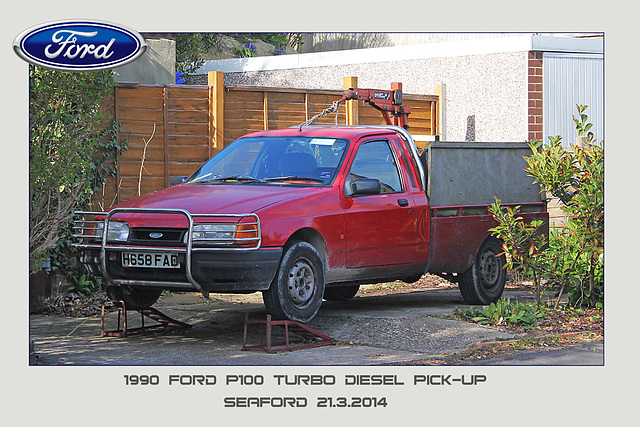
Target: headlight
(214,233)
(118,231)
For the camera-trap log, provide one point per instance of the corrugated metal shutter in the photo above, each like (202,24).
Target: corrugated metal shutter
(570,80)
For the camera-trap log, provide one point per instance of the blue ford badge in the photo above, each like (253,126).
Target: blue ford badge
(79,45)
(155,235)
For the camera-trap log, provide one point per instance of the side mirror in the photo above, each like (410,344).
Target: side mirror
(364,187)
(175,180)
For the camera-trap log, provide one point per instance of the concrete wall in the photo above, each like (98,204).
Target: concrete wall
(485,96)
(156,66)
(493,85)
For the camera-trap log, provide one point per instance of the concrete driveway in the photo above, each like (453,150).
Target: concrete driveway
(370,330)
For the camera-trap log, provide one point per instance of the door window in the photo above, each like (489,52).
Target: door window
(375,160)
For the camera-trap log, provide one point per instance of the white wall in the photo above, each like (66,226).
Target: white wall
(485,80)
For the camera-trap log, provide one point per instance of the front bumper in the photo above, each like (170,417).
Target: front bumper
(219,271)
(205,269)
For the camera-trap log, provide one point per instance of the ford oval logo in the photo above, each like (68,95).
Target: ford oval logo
(155,235)
(79,45)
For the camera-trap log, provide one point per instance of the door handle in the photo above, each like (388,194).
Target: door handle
(403,202)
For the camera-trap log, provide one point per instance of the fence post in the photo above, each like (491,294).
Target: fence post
(351,105)
(216,111)
(438,118)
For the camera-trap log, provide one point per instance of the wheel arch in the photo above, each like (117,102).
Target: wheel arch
(311,236)
(490,237)
(476,284)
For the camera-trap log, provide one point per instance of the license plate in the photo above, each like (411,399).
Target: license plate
(150,260)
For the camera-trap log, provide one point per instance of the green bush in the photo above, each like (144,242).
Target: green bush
(521,242)
(72,150)
(190,49)
(504,312)
(573,261)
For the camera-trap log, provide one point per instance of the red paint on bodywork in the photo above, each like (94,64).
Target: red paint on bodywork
(358,232)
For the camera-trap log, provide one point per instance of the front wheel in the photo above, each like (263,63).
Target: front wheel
(484,282)
(297,290)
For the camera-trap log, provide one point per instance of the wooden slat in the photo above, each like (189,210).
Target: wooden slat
(188,117)
(244,125)
(129,128)
(132,168)
(325,100)
(189,154)
(148,182)
(230,108)
(188,104)
(196,129)
(242,96)
(236,115)
(275,116)
(140,92)
(188,92)
(233,134)
(183,168)
(299,108)
(135,156)
(288,98)
(141,103)
(185,141)
(143,115)
(138,141)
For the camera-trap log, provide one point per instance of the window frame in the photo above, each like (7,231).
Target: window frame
(394,152)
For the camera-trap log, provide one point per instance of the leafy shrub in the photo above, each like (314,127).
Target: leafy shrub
(576,177)
(247,50)
(190,49)
(521,241)
(505,312)
(66,137)
(574,258)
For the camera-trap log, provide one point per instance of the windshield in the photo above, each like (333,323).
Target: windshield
(274,159)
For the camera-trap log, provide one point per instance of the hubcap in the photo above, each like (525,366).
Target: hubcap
(301,283)
(489,269)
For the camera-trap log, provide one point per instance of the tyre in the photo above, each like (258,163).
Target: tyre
(137,299)
(484,282)
(341,293)
(297,290)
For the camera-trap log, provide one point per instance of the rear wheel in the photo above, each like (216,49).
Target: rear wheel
(341,293)
(136,299)
(297,290)
(484,282)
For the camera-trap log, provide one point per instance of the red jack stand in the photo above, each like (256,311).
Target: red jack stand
(163,320)
(308,337)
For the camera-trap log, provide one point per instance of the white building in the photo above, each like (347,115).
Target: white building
(506,87)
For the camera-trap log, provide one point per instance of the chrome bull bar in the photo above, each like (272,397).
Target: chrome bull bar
(83,226)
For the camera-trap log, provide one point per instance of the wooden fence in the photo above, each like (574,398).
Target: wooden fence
(171,130)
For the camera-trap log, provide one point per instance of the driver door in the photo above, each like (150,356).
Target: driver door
(380,227)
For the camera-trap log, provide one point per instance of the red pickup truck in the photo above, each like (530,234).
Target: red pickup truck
(307,213)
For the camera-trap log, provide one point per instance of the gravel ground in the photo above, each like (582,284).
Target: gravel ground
(386,323)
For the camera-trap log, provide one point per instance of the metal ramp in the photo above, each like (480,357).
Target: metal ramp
(306,337)
(122,330)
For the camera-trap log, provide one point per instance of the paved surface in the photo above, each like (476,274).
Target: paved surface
(591,354)
(371,330)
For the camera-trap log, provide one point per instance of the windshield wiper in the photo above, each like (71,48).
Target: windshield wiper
(225,178)
(291,178)
(247,179)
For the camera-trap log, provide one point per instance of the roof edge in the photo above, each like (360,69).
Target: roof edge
(517,43)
